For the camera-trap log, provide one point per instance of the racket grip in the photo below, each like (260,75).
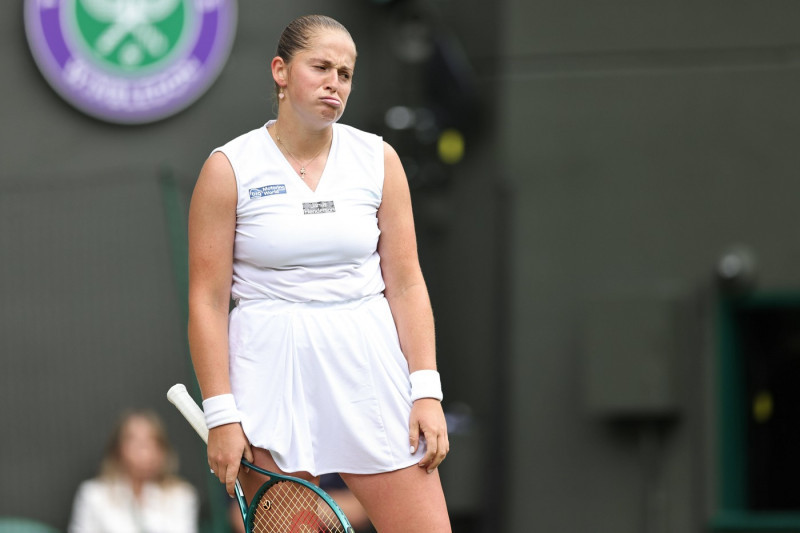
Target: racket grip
(179,397)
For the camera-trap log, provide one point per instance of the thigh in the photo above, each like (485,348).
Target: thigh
(251,481)
(404,500)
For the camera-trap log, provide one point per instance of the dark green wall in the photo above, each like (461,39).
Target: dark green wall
(642,140)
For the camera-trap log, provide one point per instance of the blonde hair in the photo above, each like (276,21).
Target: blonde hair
(111,466)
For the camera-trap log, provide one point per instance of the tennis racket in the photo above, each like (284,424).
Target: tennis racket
(283,504)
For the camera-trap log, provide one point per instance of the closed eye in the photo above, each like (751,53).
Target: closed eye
(343,72)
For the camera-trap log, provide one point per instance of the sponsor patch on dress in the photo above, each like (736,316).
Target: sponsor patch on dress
(314,208)
(267,190)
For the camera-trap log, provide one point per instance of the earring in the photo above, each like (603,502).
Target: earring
(280,94)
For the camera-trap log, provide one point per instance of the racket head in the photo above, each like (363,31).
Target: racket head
(286,504)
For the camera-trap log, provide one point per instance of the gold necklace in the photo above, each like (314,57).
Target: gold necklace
(302,166)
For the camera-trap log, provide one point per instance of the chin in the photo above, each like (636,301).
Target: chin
(331,116)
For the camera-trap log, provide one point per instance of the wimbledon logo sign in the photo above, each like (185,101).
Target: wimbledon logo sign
(130,61)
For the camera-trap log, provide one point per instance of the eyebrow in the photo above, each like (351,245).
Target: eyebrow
(329,63)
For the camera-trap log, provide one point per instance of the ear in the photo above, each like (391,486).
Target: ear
(279,71)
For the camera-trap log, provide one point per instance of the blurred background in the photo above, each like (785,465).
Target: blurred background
(605,196)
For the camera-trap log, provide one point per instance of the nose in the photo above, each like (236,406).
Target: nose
(332,81)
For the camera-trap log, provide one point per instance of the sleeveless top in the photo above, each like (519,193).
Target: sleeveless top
(300,245)
(315,362)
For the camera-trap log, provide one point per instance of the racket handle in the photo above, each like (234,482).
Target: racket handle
(179,397)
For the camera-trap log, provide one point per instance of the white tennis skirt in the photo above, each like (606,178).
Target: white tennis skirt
(323,386)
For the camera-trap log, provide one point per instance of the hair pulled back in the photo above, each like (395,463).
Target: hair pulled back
(297,36)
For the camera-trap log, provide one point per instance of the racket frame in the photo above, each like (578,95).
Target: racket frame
(277,478)
(180,398)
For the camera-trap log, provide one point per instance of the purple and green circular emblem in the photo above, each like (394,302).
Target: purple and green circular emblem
(130,61)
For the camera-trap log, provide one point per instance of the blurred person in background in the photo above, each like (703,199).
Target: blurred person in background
(137,490)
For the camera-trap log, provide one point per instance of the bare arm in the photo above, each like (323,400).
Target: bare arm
(408,299)
(212,223)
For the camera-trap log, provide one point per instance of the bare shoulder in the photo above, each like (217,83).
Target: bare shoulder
(217,168)
(390,154)
(388,150)
(394,176)
(216,180)
(394,214)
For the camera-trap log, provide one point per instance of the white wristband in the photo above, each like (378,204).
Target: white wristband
(425,384)
(220,410)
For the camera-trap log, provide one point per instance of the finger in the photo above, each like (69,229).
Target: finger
(248,456)
(215,469)
(230,480)
(413,436)
(442,449)
(430,452)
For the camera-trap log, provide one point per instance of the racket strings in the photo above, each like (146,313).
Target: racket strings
(287,507)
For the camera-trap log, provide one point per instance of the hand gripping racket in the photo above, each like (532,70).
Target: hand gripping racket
(283,504)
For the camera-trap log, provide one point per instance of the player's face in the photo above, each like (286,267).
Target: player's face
(320,77)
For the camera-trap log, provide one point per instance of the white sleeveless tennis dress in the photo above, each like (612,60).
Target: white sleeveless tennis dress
(315,361)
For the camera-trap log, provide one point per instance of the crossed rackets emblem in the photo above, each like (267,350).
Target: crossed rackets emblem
(136,18)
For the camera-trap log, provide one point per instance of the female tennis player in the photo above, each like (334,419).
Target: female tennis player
(327,362)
